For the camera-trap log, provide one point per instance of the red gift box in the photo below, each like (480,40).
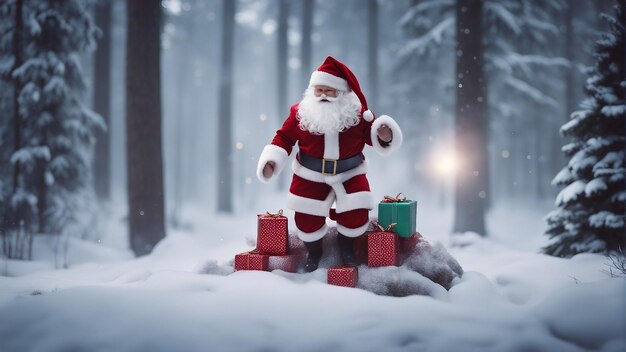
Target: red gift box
(288,263)
(251,260)
(382,249)
(272,234)
(345,275)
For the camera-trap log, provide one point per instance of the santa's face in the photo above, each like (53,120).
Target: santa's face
(325,92)
(324,110)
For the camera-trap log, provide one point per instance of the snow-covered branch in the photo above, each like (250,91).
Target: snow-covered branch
(503,14)
(526,63)
(432,37)
(424,6)
(27,155)
(526,89)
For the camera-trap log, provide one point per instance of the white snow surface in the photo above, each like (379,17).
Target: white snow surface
(185,296)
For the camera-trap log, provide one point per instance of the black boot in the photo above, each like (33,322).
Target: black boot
(315,254)
(346,249)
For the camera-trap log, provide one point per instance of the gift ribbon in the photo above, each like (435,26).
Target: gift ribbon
(388,228)
(270,215)
(398,198)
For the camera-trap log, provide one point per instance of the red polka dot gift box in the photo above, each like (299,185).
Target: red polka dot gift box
(272,234)
(345,275)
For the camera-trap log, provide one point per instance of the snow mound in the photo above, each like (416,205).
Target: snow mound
(398,282)
(434,263)
(589,325)
(429,271)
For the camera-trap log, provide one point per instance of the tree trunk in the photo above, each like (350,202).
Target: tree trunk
(102,101)
(471,120)
(281,72)
(537,155)
(372,53)
(42,196)
(307,31)
(182,157)
(281,68)
(143,125)
(179,130)
(225,148)
(17,87)
(570,76)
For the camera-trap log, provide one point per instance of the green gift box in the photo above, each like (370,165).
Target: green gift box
(401,212)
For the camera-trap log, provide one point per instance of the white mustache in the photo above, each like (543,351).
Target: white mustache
(324,97)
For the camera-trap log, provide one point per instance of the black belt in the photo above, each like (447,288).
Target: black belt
(329,166)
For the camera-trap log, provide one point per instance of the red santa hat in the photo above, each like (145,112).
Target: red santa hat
(335,74)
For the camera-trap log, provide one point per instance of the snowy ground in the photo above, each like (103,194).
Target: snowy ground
(509,299)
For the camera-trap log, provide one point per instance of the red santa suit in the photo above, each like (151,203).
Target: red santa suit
(312,193)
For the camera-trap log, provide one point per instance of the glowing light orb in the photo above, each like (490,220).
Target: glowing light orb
(446,163)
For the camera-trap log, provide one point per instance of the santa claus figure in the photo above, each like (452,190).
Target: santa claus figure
(331,125)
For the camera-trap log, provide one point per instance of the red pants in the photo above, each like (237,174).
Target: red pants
(311,202)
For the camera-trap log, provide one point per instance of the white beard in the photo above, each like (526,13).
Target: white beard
(335,115)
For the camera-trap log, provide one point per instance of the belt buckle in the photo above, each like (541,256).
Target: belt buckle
(324,161)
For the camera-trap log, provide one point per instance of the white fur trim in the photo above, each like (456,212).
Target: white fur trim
(348,232)
(315,176)
(396,141)
(310,206)
(274,153)
(331,145)
(321,78)
(311,236)
(368,116)
(357,200)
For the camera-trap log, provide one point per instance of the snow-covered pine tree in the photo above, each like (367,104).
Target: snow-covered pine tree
(52,192)
(591,208)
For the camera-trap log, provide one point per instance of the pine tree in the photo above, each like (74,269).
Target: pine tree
(102,100)
(225,158)
(54,133)
(590,210)
(146,219)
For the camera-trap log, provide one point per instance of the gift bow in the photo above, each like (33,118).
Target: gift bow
(388,228)
(270,215)
(398,198)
